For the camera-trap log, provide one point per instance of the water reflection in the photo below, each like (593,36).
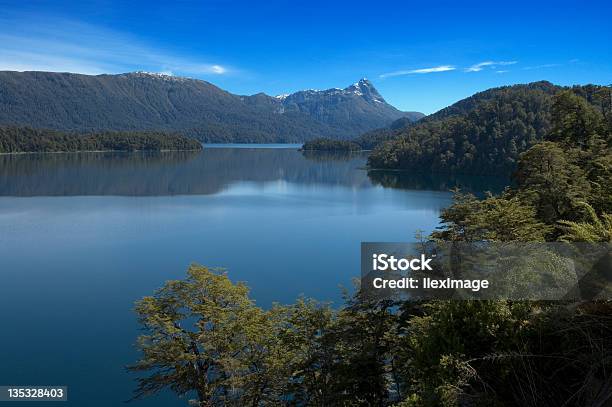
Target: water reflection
(207,172)
(438,182)
(333,155)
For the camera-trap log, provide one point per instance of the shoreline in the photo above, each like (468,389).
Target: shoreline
(98,151)
(337,151)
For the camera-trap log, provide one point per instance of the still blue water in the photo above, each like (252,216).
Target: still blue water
(83,236)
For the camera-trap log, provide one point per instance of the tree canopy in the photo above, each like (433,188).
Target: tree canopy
(323,144)
(486,134)
(27,140)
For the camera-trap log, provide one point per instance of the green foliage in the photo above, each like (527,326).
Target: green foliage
(25,139)
(596,229)
(483,134)
(371,140)
(486,353)
(548,179)
(575,121)
(449,334)
(205,336)
(305,340)
(599,174)
(486,133)
(323,144)
(504,218)
(362,339)
(525,353)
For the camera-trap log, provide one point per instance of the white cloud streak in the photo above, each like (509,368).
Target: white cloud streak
(31,44)
(444,68)
(481,65)
(441,68)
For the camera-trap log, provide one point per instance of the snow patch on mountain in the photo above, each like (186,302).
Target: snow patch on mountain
(165,76)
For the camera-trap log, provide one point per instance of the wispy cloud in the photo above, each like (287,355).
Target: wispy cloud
(218,69)
(72,46)
(481,65)
(441,68)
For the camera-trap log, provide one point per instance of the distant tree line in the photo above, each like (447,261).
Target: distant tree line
(206,339)
(366,142)
(324,144)
(25,139)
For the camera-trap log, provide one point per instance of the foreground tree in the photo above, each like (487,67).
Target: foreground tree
(503,218)
(576,122)
(596,229)
(204,336)
(549,180)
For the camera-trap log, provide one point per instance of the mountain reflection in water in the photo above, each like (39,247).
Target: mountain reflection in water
(207,172)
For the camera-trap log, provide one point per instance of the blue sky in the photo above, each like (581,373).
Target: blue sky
(420,56)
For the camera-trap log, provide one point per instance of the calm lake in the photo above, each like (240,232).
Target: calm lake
(83,236)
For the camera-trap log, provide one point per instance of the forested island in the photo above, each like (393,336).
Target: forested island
(324,144)
(29,140)
(426,353)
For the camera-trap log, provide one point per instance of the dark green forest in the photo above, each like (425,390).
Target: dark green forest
(324,144)
(486,133)
(205,339)
(28,140)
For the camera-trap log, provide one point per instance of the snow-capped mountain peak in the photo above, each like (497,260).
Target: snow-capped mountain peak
(363,88)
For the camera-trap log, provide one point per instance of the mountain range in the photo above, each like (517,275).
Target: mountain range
(151,101)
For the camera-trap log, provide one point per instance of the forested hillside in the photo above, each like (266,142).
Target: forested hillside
(143,101)
(27,140)
(483,134)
